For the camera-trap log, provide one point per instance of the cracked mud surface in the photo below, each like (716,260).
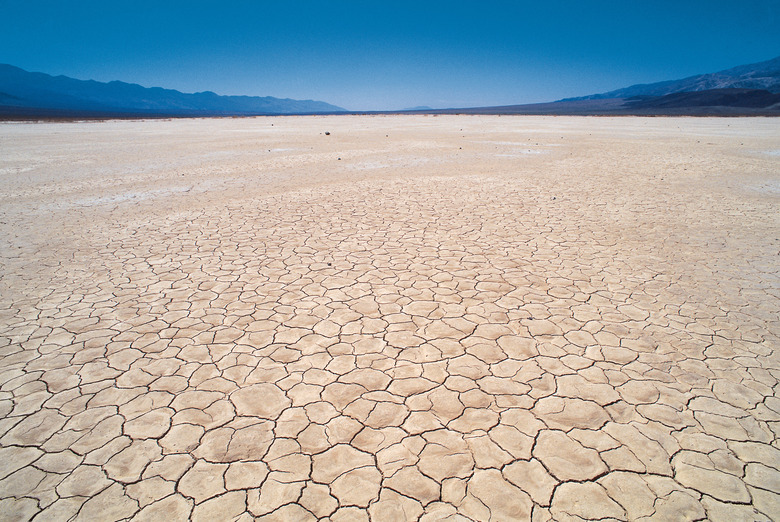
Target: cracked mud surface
(484,318)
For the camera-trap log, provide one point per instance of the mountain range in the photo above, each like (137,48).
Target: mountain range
(761,76)
(746,90)
(752,89)
(25,93)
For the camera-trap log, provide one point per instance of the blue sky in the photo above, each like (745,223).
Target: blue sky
(366,55)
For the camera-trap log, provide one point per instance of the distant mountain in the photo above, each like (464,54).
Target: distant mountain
(747,90)
(39,94)
(712,102)
(761,75)
(745,98)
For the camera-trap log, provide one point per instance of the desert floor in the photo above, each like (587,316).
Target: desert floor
(476,317)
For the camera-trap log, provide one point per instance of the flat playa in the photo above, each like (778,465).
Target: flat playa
(475,317)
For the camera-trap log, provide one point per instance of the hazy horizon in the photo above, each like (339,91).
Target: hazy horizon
(386,58)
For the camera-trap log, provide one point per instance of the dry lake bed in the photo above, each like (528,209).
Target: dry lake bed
(390,318)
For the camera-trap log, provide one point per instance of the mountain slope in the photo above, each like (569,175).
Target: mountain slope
(713,102)
(761,75)
(744,98)
(20,90)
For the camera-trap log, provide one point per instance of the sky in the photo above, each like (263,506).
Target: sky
(373,55)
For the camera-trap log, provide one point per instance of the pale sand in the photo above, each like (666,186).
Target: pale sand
(496,317)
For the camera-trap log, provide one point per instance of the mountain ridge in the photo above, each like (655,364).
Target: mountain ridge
(22,90)
(745,90)
(760,75)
